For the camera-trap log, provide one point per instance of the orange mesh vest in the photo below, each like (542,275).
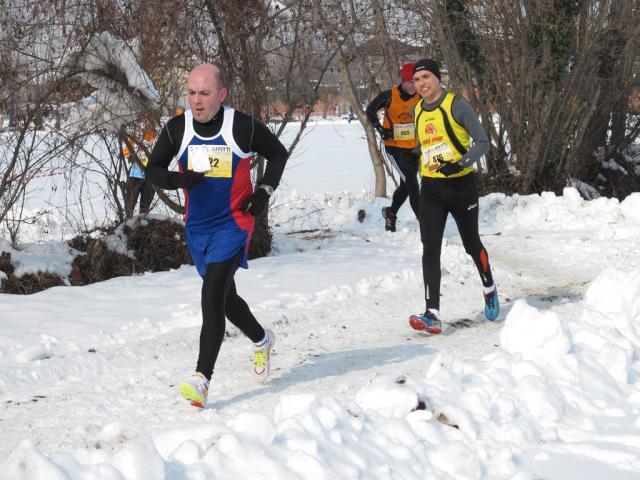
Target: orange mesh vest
(397,118)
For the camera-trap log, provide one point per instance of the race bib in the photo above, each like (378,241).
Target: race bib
(214,160)
(405,131)
(436,154)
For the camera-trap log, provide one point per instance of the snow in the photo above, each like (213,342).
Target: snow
(339,164)
(534,334)
(46,257)
(112,104)
(550,390)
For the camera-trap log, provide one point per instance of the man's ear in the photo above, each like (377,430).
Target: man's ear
(222,95)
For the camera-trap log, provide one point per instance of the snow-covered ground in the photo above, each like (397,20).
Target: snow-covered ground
(550,390)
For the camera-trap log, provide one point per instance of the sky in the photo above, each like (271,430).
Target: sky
(551,389)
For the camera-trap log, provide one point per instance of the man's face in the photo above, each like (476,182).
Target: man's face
(409,87)
(427,85)
(204,94)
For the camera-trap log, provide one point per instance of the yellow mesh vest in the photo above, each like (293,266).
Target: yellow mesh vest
(435,144)
(399,112)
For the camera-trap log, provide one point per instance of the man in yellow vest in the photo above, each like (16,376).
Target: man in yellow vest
(445,125)
(398,135)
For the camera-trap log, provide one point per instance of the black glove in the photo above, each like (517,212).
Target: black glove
(187,179)
(449,168)
(385,133)
(256,202)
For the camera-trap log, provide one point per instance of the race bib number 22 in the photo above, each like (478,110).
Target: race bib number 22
(214,160)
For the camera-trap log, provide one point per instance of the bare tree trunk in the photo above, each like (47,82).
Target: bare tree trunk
(346,48)
(382,32)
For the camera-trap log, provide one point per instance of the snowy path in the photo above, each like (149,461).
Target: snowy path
(132,374)
(340,322)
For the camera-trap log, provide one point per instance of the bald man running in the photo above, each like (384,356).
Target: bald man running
(213,146)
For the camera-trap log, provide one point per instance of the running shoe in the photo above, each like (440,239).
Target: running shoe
(491,305)
(262,365)
(389,219)
(428,321)
(195,390)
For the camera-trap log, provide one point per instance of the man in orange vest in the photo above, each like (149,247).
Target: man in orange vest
(399,138)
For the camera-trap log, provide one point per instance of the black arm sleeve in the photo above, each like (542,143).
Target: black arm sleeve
(254,136)
(381,101)
(165,149)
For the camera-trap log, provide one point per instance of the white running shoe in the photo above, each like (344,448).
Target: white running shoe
(196,390)
(262,351)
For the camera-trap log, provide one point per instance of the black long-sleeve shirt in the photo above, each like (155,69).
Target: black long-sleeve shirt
(250,134)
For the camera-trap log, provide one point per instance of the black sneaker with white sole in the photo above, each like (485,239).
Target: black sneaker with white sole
(389,219)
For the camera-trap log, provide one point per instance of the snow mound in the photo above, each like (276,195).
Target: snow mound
(533,333)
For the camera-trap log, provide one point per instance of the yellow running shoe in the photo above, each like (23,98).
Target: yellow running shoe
(262,350)
(195,390)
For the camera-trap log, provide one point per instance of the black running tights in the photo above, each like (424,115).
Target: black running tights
(220,298)
(407,166)
(438,198)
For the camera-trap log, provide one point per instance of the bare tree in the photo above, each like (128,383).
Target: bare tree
(371,38)
(31,81)
(551,80)
(541,75)
(330,15)
(87,65)
(270,62)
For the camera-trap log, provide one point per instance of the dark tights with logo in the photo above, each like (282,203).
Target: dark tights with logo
(438,198)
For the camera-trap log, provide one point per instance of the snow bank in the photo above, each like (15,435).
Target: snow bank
(55,257)
(565,212)
(554,385)
(630,207)
(533,333)
(557,381)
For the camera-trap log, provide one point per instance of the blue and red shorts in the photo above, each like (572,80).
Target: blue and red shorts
(217,246)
